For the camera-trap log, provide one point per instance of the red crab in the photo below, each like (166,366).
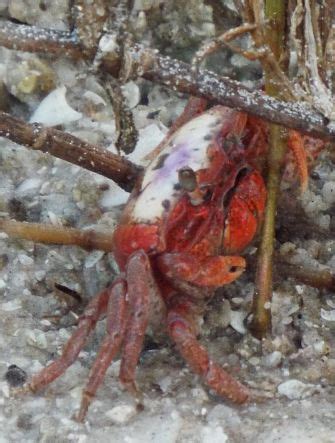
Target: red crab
(201,198)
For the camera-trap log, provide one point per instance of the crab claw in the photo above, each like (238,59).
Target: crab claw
(212,271)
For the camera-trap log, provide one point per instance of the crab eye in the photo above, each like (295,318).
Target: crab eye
(187,179)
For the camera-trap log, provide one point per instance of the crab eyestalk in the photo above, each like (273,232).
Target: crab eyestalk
(188,181)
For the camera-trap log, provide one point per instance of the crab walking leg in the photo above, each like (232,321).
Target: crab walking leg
(140,283)
(295,143)
(43,233)
(183,334)
(117,315)
(87,322)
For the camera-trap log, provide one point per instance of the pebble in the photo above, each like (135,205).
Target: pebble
(132,94)
(273,360)
(328,192)
(40,275)
(93,258)
(30,185)
(25,260)
(15,376)
(11,305)
(121,414)
(213,435)
(37,339)
(165,383)
(296,389)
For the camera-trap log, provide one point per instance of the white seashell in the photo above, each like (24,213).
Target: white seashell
(54,110)
(131,93)
(237,321)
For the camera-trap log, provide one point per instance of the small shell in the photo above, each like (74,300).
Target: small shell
(237,321)
(328,315)
(296,389)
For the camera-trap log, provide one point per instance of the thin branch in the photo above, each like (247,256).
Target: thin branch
(320,279)
(177,75)
(33,39)
(317,278)
(90,21)
(70,148)
(124,119)
(49,234)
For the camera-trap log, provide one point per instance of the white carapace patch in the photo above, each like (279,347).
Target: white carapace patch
(187,147)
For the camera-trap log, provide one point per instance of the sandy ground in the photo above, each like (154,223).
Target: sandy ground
(294,369)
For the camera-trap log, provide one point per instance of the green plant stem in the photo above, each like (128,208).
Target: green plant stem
(275,37)
(261,323)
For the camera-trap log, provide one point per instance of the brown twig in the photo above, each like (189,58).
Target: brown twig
(90,21)
(124,119)
(320,279)
(33,39)
(70,148)
(147,63)
(42,233)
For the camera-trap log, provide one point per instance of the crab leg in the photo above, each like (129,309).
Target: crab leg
(86,324)
(295,143)
(117,315)
(183,334)
(140,283)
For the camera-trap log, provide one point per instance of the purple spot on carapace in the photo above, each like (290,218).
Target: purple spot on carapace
(177,159)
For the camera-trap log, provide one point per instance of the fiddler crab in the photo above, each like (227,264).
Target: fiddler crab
(197,206)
